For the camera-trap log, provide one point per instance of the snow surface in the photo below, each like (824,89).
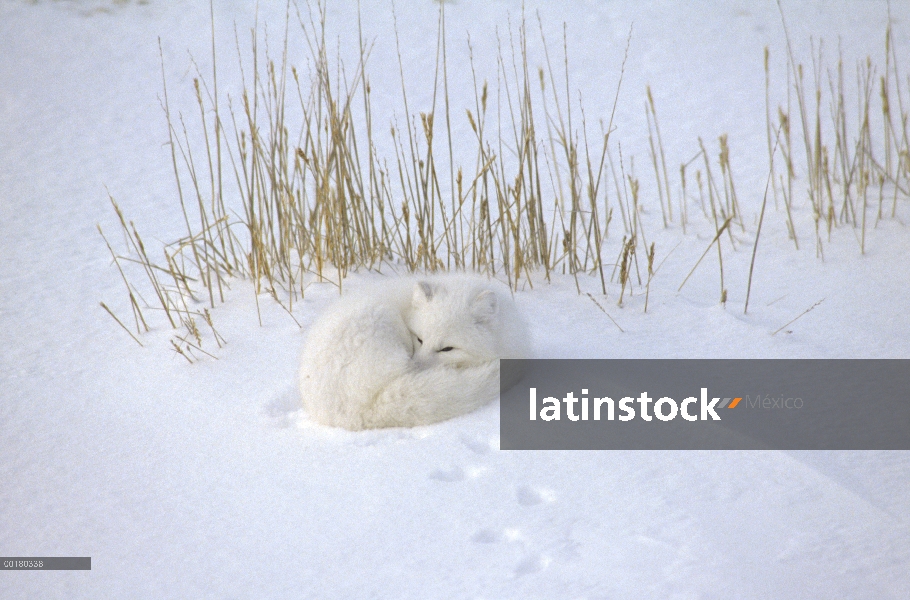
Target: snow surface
(205,480)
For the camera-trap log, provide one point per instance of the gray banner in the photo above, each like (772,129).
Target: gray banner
(705,404)
(45,563)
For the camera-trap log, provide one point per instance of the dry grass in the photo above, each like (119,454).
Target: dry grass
(287,186)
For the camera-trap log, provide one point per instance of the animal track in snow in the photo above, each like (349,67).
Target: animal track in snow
(457,473)
(479,446)
(448,475)
(532,563)
(284,408)
(486,536)
(529,546)
(528,496)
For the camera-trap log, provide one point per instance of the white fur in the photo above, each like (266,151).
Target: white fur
(410,352)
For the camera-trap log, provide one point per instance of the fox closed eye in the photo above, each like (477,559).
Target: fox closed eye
(446,349)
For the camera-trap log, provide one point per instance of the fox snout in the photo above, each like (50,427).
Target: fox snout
(424,358)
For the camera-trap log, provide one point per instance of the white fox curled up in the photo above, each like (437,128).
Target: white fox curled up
(410,351)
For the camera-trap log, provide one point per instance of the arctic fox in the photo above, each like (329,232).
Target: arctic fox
(410,352)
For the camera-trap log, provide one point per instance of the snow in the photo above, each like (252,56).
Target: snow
(205,480)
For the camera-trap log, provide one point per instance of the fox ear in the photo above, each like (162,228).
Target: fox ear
(423,292)
(484,306)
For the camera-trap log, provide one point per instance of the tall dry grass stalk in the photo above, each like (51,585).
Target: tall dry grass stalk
(286,184)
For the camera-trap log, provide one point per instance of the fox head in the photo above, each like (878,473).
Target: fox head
(456,325)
